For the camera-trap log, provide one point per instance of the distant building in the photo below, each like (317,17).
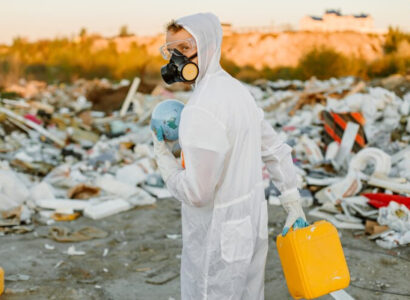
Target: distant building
(333,20)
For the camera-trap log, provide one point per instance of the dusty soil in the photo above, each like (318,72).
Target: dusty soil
(140,251)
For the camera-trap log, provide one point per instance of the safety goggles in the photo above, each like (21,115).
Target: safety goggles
(185,47)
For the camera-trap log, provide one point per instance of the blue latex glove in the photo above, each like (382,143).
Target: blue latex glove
(296,218)
(157,130)
(299,223)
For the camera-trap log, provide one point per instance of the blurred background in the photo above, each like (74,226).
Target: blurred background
(84,213)
(62,41)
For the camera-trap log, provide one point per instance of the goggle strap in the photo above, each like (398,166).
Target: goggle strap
(193,56)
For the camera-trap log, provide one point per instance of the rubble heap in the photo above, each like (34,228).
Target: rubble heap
(66,153)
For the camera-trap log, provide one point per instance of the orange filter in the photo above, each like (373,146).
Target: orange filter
(182,160)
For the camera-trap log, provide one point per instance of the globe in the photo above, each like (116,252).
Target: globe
(167,115)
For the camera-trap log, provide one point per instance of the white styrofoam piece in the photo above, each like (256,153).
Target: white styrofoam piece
(107,208)
(59,204)
(339,224)
(341,295)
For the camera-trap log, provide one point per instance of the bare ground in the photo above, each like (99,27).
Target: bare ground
(140,251)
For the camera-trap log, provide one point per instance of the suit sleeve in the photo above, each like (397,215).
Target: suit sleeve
(204,143)
(276,155)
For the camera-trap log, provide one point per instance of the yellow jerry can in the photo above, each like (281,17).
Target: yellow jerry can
(313,261)
(1,281)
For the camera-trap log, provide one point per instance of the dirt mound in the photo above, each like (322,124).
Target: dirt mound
(286,48)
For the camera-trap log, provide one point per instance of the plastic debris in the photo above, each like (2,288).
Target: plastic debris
(107,208)
(380,160)
(133,174)
(350,140)
(17,277)
(49,247)
(341,295)
(84,150)
(396,216)
(381,200)
(13,192)
(346,145)
(392,239)
(63,204)
(311,150)
(72,251)
(347,187)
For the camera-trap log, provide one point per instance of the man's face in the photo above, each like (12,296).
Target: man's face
(182,47)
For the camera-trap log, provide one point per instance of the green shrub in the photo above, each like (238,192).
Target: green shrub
(388,65)
(324,63)
(393,38)
(64,60)
(287,73)
(229,66)
(248,74)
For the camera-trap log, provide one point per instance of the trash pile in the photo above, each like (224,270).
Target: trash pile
(66,153)
(351,149)
(60,159)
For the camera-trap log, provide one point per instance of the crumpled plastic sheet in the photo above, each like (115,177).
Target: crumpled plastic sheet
(396,216)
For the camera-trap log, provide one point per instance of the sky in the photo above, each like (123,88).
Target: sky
(34,19)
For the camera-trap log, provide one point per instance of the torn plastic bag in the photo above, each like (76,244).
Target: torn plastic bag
(396,216)
(42,191)
(392,239)
(12,191)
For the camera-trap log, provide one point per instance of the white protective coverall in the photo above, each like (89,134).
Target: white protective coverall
(224,212)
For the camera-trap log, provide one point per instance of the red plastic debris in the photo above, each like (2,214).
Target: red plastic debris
(382,200)
(33,118)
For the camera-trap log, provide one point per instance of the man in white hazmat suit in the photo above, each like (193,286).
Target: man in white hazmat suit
(223,137)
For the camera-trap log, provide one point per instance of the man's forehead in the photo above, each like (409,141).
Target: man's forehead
(177,36)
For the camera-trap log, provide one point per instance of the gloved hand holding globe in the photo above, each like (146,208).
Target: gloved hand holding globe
(164,124)
(165,119)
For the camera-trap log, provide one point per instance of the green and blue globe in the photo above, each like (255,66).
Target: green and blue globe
(167,115)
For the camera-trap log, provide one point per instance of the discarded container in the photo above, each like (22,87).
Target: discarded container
(1,281)
(313,261)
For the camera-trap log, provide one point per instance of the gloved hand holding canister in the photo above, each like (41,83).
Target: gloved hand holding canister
(290,201)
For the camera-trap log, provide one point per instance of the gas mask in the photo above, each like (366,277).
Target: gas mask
(180,68)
